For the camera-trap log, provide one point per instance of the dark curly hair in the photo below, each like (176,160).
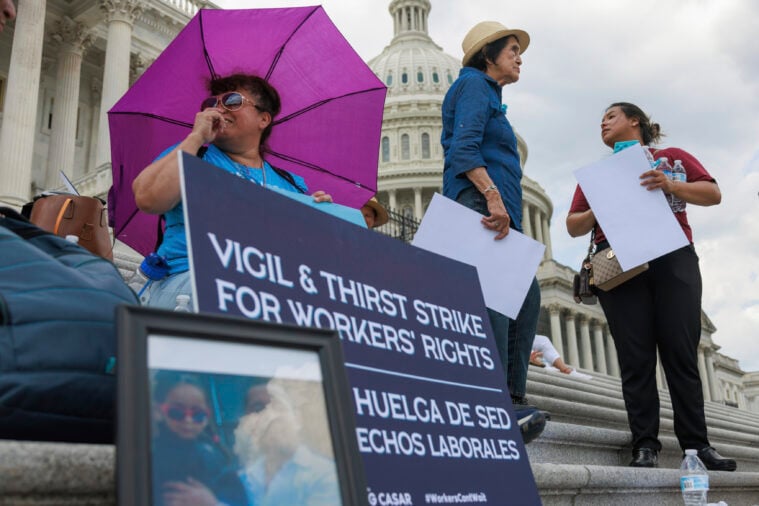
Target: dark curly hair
(650,132)
(489,52)
(266,96)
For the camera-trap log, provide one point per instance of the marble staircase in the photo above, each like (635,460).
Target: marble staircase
(580,459)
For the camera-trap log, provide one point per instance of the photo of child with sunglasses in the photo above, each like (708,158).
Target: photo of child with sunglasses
(188,465)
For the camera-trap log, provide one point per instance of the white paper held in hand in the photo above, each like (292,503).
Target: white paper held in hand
(638,223)
(505,268)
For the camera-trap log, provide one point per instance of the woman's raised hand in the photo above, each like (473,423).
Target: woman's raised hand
(208,124)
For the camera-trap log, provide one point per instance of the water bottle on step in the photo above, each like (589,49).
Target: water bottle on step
(694,480)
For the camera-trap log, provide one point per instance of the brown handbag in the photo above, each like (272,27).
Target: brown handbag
(607,273)
(582,286)
(84,217)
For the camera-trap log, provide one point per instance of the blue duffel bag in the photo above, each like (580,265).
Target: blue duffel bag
(57,336)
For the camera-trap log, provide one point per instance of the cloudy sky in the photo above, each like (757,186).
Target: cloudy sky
(688,63)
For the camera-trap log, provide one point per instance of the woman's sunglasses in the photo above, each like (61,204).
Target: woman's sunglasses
(180,413)
(231,101)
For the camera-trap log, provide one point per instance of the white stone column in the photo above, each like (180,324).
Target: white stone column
(526,222)
(537,215)
(392,202)
(555,314)
(96,87)
(547,236)
(704,376)
(586,353)
(713,383)
(598,340)
(573,356)
(613,358)
(20,110)
(73,39)
(418,211)
(120,16)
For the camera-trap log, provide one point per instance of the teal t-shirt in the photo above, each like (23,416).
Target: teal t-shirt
(174,245)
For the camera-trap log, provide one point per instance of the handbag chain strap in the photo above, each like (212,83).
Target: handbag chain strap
(592,245)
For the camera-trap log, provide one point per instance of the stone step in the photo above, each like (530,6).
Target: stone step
(56,474)
(611,387)
(580,459)
(564,443)
(593,485)
(600,404)
(76,475)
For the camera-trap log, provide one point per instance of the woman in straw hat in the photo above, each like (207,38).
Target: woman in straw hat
(374,213)
(483,172)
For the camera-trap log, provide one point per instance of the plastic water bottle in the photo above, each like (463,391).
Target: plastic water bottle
(183,304)
(665,167)
(679,176)
(694,480)
(152,268)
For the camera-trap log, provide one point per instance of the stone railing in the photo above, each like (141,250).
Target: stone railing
(190,7)
(400,226)
(94,184)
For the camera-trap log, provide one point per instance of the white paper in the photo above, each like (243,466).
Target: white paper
(67,183)
(573,374)
(638,223)
(505,268)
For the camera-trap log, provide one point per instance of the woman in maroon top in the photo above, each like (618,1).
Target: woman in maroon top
(660,308)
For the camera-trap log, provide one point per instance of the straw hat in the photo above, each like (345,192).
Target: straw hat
(379,210)
(486,32)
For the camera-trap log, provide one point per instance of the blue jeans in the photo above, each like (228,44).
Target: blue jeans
(513,338)
(163,294)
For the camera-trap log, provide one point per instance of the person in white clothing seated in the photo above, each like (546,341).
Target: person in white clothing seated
(543,353)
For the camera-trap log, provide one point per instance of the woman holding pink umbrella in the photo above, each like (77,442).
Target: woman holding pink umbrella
(230,131)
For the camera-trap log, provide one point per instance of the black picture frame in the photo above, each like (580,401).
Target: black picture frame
(143,329)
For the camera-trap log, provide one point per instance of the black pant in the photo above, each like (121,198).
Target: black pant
(660,308)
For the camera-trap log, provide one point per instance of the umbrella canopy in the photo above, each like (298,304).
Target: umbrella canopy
(327,132)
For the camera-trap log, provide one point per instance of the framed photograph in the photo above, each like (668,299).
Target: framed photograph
(228,411)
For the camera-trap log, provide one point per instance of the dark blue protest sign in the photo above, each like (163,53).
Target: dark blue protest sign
(434,425)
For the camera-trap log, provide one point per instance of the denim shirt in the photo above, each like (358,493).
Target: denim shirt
(475,134)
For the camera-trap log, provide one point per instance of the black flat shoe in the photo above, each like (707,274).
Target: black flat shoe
(645,457)
(714,461)
(531,423)
(522,403)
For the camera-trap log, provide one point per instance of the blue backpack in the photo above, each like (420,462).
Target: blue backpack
(57,336)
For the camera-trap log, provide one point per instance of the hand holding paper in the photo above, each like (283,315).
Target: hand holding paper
(638,223)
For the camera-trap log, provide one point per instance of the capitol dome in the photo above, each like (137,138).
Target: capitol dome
(413,63)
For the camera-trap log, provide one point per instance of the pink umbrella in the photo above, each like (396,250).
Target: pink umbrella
(327,132)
